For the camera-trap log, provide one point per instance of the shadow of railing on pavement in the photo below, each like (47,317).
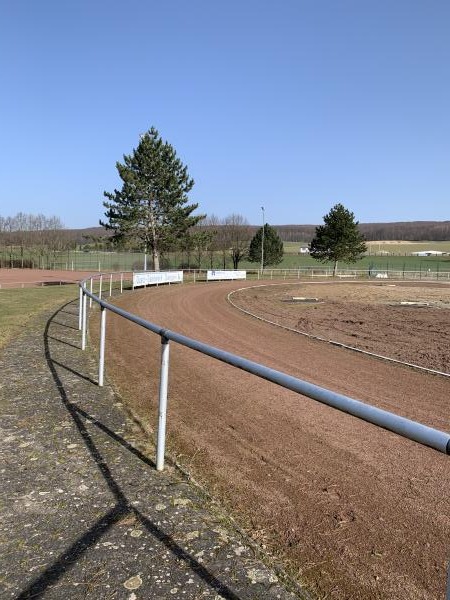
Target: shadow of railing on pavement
(66,560)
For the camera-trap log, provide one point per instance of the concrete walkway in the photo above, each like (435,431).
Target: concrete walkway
(85,514)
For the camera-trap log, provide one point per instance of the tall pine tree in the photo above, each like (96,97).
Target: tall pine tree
(273,246)
(152,206)
(338,239)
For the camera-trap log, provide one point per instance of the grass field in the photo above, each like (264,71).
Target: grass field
(18,306)
(399,248)
(398,257)
(406,263)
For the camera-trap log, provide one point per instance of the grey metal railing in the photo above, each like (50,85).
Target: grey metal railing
(418,432)
(439,440)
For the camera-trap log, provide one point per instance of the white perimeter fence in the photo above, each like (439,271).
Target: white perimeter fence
(317,272)
(267,273)
(418,432)
(375,273)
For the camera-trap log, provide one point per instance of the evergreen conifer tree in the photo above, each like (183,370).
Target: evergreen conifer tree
(152,205)
(338,239)
(273,246)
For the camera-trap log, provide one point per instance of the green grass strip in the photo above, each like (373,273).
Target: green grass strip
(18,306)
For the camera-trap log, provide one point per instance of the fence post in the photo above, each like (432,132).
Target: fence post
(110,285)
(447,595)
(121,283)
(162,411)
(80,310)
(90,299)
(100,287)
(101,361)
(83,328)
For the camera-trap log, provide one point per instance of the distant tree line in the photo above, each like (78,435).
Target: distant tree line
(28,240)
(34,241)
(23,224)
(234,240)
(151,214)
(25,239)
(405,231)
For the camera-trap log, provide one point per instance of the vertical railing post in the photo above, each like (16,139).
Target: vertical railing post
(101,360)
(83,328)
(162,411)
(100,287)
(80,310)
(447,595)
(110,285)
(90,299)
(121,283)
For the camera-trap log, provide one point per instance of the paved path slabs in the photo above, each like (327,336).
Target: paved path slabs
(85,514)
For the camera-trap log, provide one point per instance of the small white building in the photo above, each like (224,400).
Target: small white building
(427,253)
(303,250)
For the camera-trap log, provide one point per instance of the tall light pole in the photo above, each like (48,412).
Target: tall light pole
(262,242)
(141,137)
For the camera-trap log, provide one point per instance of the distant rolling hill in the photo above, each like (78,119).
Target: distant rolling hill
(406,230)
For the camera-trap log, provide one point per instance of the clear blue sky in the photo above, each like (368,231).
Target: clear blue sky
(293,105)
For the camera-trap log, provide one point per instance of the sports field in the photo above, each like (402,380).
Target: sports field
(395,247)
(381,255)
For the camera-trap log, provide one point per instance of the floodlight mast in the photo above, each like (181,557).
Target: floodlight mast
(141,137)
(262,242)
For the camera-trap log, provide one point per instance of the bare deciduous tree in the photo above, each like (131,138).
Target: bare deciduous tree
(237,233)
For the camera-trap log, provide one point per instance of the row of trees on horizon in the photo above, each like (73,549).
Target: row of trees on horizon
(151,214)
(414,231)
(37,234)
(32,227)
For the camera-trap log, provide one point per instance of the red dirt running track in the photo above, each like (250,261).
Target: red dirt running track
(16,278)
(356,511)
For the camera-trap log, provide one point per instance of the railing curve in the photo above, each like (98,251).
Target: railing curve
(418,432)
(413,430)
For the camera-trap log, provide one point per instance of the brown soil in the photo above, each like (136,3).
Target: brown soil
(356,511)
(12,278)
(369,317)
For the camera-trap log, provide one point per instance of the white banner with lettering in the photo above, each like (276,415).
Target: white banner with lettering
(157,277)
(218,275)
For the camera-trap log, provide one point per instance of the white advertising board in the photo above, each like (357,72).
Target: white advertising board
(218,275)
(155,278)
